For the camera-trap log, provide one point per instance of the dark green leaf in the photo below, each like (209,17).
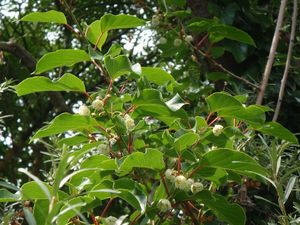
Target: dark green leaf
(277,130)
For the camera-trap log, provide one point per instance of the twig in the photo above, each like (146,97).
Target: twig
(106,207)
(229,72)
(288,61)
(271,57)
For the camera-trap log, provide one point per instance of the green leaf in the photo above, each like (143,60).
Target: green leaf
(40,211)
(175,103)
(157,75)
(6,196)
(277,130)
(117,66)
(228,106)
(111,22)
(215,76)
(62,57)
(29,216)
(131,192)
(186,140)
(232,160)
(51,16)
(151,159)
(94,34)
(149,103)
(221,101)
(216,175)
(232,33)
(68,82)
(71,209)
(33,190)
(233,214)
(65,122)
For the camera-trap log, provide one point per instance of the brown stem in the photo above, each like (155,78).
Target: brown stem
(213,121)
(135,219)
(272,52)
(106,207)
(165,184)
(98,40)
(194,171)
(288,61)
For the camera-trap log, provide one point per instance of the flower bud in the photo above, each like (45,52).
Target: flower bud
(181,182)
(196,187)
(137,68)
(171,174)
(97,104)
(155,21)
(162,41)
(217,130)
(129,122)
(177,42)
(111,220)
(103,149)
(189,38)
(84,110)
(164,205)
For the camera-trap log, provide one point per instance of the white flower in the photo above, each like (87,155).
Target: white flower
(84,110)
(103,149)
(97,104)
(181,182)
(196,187)
(189,183)
(111,220)
(177,42)
(162,41)
(137,68)
(164,205)
(214,147)
(129,122)
(217,130)
(189,38)
(171,174)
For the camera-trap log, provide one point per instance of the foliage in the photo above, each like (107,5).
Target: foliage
(144,147)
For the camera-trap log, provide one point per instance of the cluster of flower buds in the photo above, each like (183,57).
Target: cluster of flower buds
(183,183)
(97,104)
(177,42)
(162,40)
(111,220)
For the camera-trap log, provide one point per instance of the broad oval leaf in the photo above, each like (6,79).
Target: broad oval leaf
(62,57)
(232,33)
(228,212)
(235,161)
(68,82)
(186,140)
(277,130)
(151,159)
(95,35)
(157,75)
(51,16)
(117,66)
(111,22)
(65,122)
